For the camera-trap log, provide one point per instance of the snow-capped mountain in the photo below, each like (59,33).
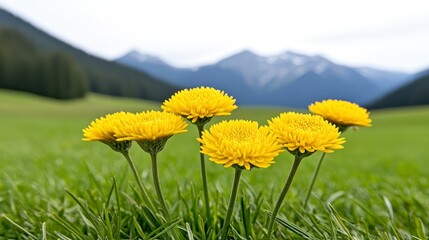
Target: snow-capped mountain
(275,71)
(135,56)
(287,79)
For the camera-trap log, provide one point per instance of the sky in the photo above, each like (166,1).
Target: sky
(387,34)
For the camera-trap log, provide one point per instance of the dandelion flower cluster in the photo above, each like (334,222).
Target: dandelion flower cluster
(240,143)
(305,133)
(200,103)
(341,113)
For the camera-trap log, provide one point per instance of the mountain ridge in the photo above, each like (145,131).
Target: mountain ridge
(267,79)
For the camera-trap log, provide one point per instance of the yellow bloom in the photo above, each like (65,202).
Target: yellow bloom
(305,133)
(200,103)
(150,125)
(103,129)
(240,143)
(342,113)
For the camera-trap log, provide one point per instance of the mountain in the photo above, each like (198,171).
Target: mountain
(288,79)
(209,75)
(385,80)
(104,76)
(414,93)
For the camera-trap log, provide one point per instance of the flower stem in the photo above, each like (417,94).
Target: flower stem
(282,195)
(157,185)
(153,155)
(204,175)
(313,180)
(231,203)
(138,180)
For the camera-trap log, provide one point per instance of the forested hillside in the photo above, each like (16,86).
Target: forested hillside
(22,67)
(414,93)
(56,58)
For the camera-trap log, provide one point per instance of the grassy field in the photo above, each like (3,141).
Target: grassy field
(377,187)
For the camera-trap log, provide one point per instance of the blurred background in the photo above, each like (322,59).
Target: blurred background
(271,53)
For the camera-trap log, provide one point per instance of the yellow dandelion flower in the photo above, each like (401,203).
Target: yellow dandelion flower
(305,133)
(240,143)
(150,125)
(104,130)
(342,113)
(200,103)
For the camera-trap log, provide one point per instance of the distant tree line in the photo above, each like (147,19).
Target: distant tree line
(52,74)
(57,69)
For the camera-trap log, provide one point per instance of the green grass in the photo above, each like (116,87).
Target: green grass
(377,187)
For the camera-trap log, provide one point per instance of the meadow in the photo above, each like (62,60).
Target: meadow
(377,187)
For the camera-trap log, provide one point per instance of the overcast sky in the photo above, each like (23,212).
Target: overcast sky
(390,34)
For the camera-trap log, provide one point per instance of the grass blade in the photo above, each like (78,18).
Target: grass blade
(294,228)
(138,228)
(420,229)
(389,208)
(201,227)
(165,228)
(68,227)
(62,236)
(19,227)
(339,221)
(118,207)
(44,231)
(189,231)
